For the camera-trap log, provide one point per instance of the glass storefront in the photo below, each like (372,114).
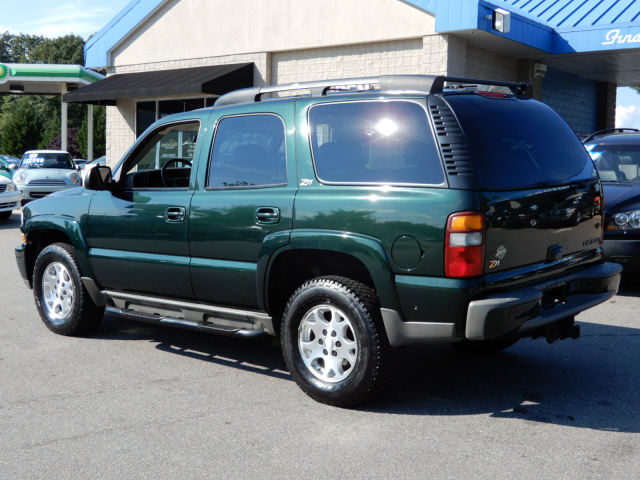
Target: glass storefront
(149,111)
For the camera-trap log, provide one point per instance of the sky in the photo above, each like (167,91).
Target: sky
(54,18)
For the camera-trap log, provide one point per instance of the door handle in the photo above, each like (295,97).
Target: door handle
(175,214)
(267,215)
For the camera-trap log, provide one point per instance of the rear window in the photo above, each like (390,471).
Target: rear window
(374,143)
(519,143)
(616,163)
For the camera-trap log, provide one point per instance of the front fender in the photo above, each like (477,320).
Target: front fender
(71,228)
(366,249)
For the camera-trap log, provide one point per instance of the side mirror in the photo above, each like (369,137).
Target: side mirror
(99,178)
(13,166)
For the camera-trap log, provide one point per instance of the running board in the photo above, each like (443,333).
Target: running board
(184,324)
(193,316)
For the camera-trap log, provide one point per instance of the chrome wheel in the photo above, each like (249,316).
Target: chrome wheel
(327,343)
(58,292)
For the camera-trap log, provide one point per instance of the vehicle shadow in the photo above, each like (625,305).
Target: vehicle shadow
(591,383)
(13,222)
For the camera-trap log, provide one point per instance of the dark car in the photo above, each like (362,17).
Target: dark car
(616,153)
(369,214)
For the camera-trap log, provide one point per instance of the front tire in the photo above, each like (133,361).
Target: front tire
(5,215)
(334,343)
(63,303)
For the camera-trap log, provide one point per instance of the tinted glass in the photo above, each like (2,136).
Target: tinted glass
(616,163)
(145,116)
(169,107)
(248,151)
(374,142)
(517,143)
(47,160)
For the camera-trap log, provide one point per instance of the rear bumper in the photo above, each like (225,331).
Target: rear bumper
(521,311)
(624,252)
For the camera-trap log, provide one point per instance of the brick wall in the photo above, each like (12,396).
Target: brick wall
(120,129)
(348,61)
(573,97)
(487,65)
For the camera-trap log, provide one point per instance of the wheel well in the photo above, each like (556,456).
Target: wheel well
(37,241)
(291,269)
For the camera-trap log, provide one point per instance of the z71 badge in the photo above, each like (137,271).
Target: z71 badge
(592,241)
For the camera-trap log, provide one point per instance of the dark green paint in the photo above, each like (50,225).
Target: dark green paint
(406,252)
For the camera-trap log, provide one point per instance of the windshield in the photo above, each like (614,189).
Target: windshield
(616,163)
(518,143)
(47,160)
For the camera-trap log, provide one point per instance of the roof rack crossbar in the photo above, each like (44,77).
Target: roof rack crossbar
(388,83)
(600,133)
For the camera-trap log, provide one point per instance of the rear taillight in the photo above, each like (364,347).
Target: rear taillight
(464,245)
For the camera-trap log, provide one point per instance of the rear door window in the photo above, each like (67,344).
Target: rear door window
(520,143)
(379,142)
(248,152)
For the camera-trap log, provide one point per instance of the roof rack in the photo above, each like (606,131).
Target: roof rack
(601,133)
(426,84)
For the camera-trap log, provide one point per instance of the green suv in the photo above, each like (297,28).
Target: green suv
(364,215)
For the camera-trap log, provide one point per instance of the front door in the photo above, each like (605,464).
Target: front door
(248,194)
(139,230)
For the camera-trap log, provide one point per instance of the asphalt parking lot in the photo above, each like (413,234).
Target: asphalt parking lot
(140,401)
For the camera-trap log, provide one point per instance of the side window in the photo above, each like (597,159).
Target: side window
(163,159)
(248,151)
(374,142)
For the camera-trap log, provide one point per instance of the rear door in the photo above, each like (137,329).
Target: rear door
(245,193)
(540,191)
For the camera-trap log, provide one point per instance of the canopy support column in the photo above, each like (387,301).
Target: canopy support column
(63,120)
(90,132)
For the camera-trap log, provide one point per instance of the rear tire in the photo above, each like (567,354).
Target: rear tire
(63,303)
(5,215)
(334,342)
(484,347)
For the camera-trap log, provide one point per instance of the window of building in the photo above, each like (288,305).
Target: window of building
(248,151)
(148,112)
(374,143)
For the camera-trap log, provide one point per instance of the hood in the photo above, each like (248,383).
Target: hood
(67,192)
(620,197)
(5,177)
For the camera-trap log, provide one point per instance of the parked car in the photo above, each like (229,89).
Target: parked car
(5,169)
(616,153)
(42,172)
(80,162)
(10,160)
(349,222)
(9,197)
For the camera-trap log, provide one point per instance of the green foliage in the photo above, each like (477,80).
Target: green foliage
(18,48)
(99,133)
(21,130)
(637,89)
(68,49)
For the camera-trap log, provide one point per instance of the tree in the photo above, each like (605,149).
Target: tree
(99,133)
(72,142)
(18,48)
(637,89)
(68,49)
(21,130)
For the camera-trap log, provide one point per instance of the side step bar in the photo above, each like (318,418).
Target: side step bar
(183,323)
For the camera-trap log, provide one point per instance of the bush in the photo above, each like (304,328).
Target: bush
(72,143)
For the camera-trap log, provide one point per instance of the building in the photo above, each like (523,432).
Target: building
(164,56)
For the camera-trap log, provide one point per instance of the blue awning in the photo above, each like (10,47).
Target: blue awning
(553,26)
